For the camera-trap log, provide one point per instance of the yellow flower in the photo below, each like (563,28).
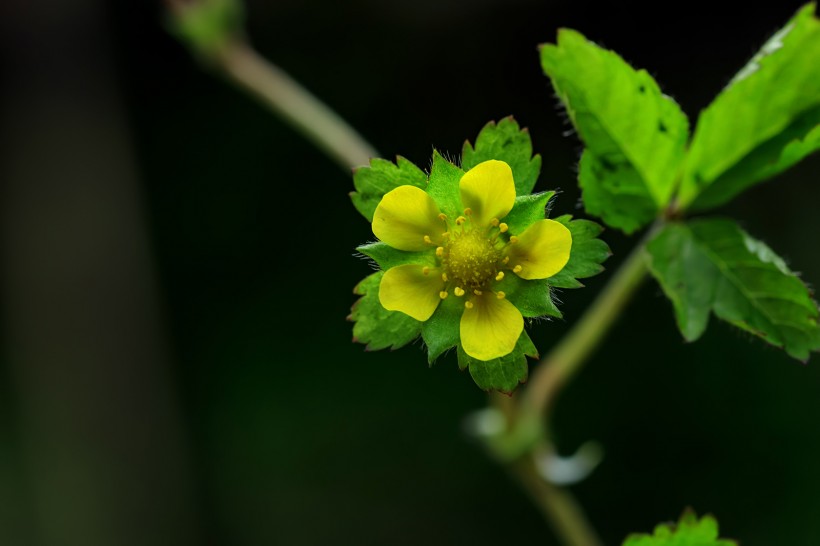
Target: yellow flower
(473,252)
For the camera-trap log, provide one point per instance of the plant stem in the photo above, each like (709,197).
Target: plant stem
(294,104)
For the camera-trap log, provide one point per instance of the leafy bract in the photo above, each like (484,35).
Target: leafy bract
(767,118)
(375,325)
(714,266)
(501,374)
(506,142)
(527,210)
(586,256)
(689,531)
(443,185)
(635,136)
(441,332)
(380,177)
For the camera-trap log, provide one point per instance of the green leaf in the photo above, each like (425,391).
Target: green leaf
(506,142)
(442,330)
(635,136)
(767,119)
(387,256)
(443,185)
(380,177)
(533,298)
(527,210)
(689,531)
(586,255)
(714,266)
(375,325)
(500,374)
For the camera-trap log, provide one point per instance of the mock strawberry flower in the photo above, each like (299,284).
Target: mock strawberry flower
(467,257)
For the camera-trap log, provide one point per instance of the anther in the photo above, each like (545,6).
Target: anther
(442,216)
(513,239)
(443,295)
(428,240)
(458,291)
(503,227)
(445,234)
(517,269)
(425,270)
(477,292)
(468,211)
(460,220)
(494,222)
(500,295)
(506,260)
(440,251)
(499,276)
(444,277)
(468,304)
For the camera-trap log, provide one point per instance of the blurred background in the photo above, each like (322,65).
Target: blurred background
(177,266)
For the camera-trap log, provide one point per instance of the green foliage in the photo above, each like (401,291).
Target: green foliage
(587,254)
(714,266)
(206,26)
(505,141)
(443,185)
(527,210)
(533,298)
(635,136)
(386,256)
(380,177)
(689,531)
(767,119)
(375,325)
(441,331)
(501,374)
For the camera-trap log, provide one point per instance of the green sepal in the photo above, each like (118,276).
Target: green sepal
(714,266)
(207,26)
(386,256)
(763,122)
(502,374)
(689,531)
(586,255)
(533,298)
(380,177)
(635,136)
(527,210)
(505,141)
(374,325)
(443,185)
(441,332)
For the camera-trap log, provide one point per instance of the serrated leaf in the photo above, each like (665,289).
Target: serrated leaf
(689,531)
(766,120)
(442,331)
(386,256)
(443,185)
(376,326)
(506,142)
(714,266)
(635,136)
(586,255)
(380,177)
(527,210)
(500,374)
(533,298)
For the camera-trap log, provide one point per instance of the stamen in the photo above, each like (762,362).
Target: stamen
(506,260)
(458,291)
(425,270)
(499,276)
(442,216)
(503,227)
(517,269)
(445,234)
(428,240)
(477,292)
(468,211)
(460,220)
(444,277)
(513,239)
(500,295)
(468,304)
(440,251)
(494,222)
(443,295)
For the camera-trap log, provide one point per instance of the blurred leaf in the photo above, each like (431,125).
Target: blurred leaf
(713,265)
(386,256)
(527,210)
(506,142)
(375,325)
(689,531)
(380,177)
(501,374)
(767,119)
(635,136)
(443,185)
(586,256)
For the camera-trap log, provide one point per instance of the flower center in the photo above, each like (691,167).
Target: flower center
(470,259)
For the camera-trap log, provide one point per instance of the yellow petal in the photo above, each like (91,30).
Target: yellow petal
(489,190)
(541,251)
(407,289)
(491,328)
(405,216)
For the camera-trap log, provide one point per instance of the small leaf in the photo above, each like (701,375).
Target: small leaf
(442,331)
(766,120)
(380,177)
(586,256)
(387,256)
(375,325)
(443,185)
(635,136)
(506,142)
(714,266)
(689,531)
(527,210)
(500,374)
(533,298)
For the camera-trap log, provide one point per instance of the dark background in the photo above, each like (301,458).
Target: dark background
(177,268)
